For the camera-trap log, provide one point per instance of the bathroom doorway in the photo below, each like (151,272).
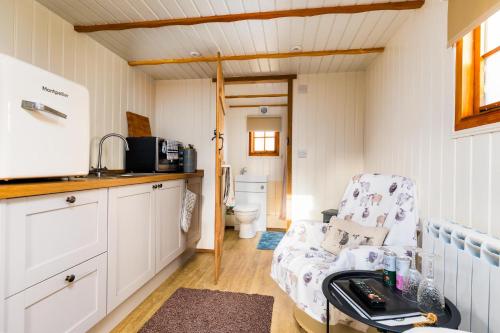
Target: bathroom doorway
(262,152)
(243,97)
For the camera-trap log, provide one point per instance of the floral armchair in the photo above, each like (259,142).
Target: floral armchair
(300,264)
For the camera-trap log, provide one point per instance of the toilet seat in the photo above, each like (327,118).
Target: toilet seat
(247,208)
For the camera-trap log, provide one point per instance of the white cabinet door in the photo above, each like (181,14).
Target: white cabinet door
(72,301)
(2,265)
(130,241)
(170,240)
(194,233)
(48,234)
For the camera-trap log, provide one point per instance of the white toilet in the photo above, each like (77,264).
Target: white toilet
(246,214)
(251,204)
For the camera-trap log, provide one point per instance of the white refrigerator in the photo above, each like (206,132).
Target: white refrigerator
(44,123)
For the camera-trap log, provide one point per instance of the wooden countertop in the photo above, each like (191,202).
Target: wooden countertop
(18,189)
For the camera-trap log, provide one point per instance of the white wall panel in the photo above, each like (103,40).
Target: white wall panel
(494,227)
(409,126)
(480,182)
(34,34)
(328,126)
(462,180)
(185,111)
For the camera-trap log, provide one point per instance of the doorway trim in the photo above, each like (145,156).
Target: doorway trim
(289,142)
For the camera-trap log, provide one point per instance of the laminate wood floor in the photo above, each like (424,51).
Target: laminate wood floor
(244,269)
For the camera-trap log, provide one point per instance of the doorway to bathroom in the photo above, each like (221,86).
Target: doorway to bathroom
(258,128)
(258,134)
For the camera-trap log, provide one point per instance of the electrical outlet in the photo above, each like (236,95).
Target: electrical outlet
(302,89)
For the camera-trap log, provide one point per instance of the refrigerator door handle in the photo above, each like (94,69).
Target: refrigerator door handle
(34,106)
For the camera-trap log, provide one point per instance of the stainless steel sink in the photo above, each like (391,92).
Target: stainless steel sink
(112,175)
(132,174)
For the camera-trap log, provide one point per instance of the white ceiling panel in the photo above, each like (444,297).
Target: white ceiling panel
(335,31)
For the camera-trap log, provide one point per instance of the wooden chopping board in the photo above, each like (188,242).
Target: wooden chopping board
(138,125)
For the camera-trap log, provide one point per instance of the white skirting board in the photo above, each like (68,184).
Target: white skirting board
(467,270)
(124,309)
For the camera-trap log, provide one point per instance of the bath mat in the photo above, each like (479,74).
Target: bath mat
(204,311)
(269,240)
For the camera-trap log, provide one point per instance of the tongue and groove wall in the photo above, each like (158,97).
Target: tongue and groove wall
(409,126)
(34,34)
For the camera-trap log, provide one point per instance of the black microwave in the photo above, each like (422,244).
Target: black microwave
(153,154)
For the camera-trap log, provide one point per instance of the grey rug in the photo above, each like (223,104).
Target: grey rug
(202,310)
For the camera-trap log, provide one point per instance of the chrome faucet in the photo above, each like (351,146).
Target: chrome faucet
(99,168)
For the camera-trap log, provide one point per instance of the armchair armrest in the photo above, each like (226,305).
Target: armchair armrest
(327,214)
(307,232)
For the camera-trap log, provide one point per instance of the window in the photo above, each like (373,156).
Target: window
(262,143)
(477,94)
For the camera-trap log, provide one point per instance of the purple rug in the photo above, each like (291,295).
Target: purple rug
(202,310)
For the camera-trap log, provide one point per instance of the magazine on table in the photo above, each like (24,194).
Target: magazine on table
(395,307)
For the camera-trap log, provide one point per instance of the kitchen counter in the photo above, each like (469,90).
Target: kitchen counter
(18,189)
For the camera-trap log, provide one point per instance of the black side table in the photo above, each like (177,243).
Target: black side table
(449,319)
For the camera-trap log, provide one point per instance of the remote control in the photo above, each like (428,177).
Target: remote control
(366,293)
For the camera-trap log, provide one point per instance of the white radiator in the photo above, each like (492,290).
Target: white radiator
(467,270)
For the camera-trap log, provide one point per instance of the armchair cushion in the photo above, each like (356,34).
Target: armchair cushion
(343,234)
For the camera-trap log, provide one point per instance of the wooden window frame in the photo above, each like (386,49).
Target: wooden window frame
(274,153)
(469,81)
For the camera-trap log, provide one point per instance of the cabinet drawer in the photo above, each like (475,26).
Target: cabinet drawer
(251,187)
(57,305)
(46,235)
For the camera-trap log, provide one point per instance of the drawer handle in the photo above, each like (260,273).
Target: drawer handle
(70,278)
(71,199)
(160,185)
(261,187)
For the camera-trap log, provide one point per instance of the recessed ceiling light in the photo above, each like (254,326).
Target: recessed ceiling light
(195,54)
(296,48)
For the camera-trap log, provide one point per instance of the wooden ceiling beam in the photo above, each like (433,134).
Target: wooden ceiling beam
(257,105)
(150,62)
(256,96)
(303,12)
(258,79)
